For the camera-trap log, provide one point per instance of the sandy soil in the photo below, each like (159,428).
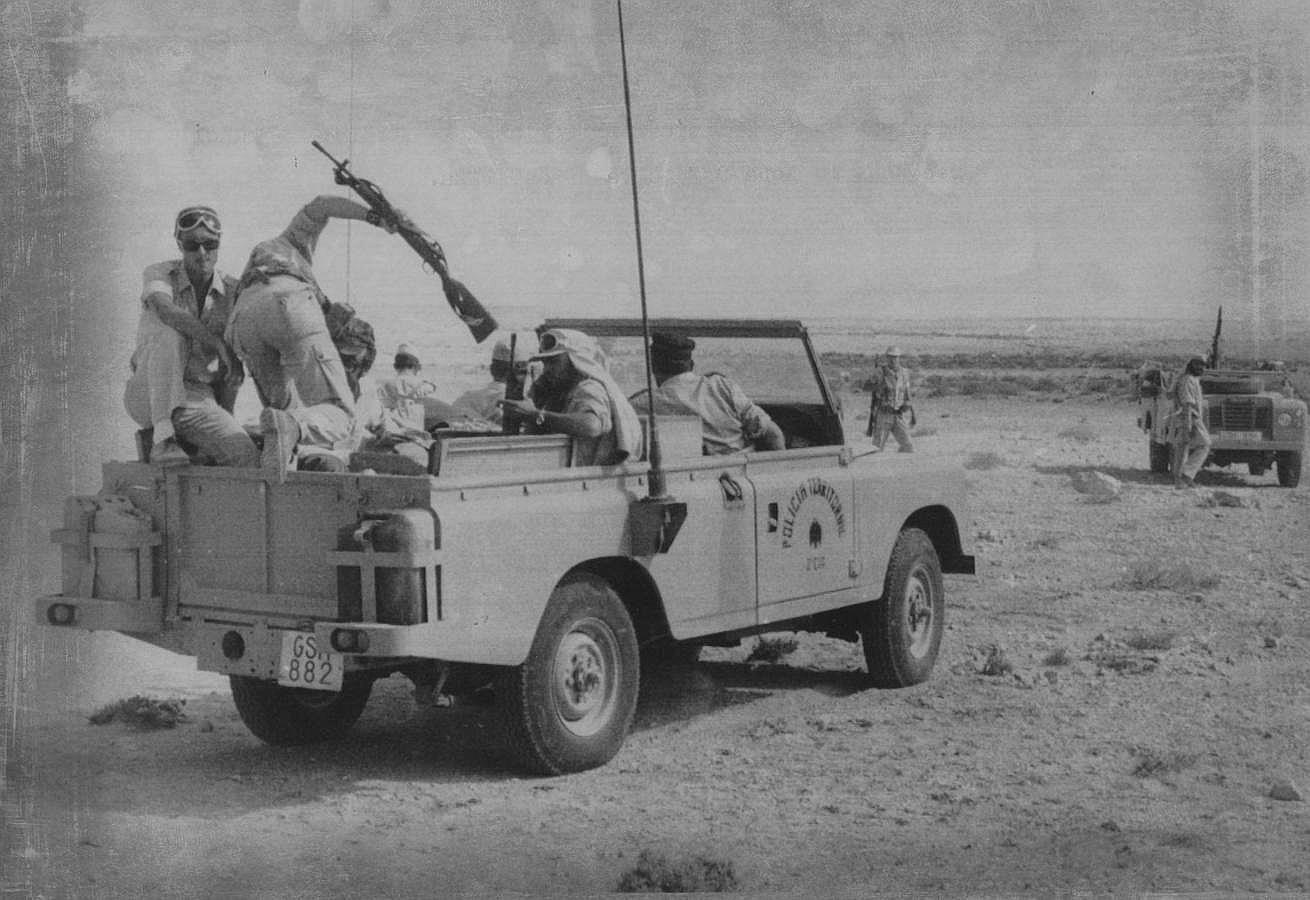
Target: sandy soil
(1133,744)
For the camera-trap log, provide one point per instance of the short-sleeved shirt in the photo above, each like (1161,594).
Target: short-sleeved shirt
(401,398)
(213,311)
(590,396)
(291,252)
(891,387)
(730,421)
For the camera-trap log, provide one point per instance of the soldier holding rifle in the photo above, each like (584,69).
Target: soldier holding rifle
(890,411)
(281,330)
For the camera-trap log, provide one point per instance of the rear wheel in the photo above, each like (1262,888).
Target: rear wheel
(569,706)
(902,632)
(1289,468)
(1159,458)
(285,716)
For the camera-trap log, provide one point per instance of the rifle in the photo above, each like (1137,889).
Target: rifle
(1213,362)
(480,322)
(510,420)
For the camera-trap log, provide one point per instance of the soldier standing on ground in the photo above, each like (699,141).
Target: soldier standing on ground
(185,377)
(1189,436)
(890,411)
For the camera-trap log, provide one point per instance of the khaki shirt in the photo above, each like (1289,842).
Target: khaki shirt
(213,311)
(587,396)
(891,387)
(292,251)
(730,421)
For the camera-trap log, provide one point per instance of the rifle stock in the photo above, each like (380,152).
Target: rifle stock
(470,311)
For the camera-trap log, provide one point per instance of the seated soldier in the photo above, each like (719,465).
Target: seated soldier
(483,403)
(730,421)
(185,377)
(400,421)
(575,395)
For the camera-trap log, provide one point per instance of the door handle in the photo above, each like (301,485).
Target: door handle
(732,492)
(773,516)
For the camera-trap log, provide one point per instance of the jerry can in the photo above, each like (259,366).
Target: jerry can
(406,538)
(123,567)
(107,549)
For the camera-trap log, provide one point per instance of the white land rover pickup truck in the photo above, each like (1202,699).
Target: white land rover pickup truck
(501,565)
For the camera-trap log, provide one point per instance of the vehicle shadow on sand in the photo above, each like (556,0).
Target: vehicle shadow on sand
(677,692)
(210,765)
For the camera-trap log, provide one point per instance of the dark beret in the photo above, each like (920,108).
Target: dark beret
(663,340)
(671,350)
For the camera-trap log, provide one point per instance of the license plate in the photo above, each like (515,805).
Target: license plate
(305,664)
(1239,435)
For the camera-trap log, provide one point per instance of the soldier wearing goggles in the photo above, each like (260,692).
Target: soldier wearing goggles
(184,376)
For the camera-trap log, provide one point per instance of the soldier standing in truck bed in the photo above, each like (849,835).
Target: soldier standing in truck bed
(1189,436)
(280,328)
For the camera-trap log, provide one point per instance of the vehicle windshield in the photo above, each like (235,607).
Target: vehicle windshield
(769,369)
(1247,382)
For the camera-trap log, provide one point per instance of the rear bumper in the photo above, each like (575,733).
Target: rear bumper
(93,614)
(429,640)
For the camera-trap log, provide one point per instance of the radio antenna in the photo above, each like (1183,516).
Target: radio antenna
(656,518)
(654,455)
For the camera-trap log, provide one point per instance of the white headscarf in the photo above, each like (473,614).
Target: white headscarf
(589,360)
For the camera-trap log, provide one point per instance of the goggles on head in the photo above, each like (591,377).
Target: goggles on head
(194,217)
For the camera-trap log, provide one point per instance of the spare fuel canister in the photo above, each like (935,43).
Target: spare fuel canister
(401,591)
(123,569)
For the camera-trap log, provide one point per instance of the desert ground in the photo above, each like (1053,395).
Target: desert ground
(1120,705)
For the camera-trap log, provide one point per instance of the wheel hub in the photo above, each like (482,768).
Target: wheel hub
(918,614)
(584,688)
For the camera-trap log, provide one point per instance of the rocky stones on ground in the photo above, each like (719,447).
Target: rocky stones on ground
(1286,790)
(1228,499)
(1097,485)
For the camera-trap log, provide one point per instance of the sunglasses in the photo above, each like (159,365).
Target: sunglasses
(193,246)
(195,217)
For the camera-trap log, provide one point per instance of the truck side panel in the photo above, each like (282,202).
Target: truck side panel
(707,579)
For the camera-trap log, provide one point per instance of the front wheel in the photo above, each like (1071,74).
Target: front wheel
(286,716)
(902,631)
(568,707)
(1159,458)
(1289,468)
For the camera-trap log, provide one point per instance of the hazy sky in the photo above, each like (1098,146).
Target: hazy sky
(935,158)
